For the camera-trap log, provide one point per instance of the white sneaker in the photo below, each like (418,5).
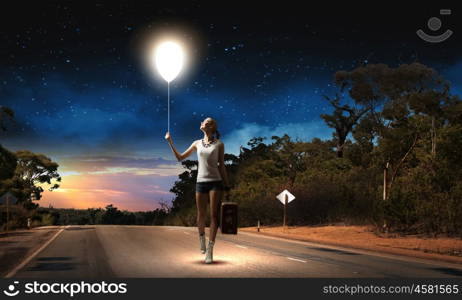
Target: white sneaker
(209,254)
(202,242)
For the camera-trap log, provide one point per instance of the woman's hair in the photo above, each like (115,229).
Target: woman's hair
(217,134)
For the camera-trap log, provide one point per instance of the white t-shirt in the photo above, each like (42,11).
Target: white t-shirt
(208,161)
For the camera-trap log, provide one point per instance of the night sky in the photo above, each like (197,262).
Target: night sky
(75,76)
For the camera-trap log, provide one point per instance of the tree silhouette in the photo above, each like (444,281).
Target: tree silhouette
(343,125)
(5,114)
(33,169)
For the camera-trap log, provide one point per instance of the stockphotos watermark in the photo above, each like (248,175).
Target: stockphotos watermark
(70,289)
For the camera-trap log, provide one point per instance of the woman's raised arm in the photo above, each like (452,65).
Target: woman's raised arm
(179,156)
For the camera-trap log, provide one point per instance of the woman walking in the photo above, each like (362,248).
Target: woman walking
(212,180)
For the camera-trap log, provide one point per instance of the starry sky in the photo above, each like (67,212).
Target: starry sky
(76,76)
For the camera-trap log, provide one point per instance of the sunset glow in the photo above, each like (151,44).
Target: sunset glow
(95,182)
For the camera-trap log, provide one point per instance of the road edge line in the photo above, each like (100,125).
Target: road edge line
(28,259)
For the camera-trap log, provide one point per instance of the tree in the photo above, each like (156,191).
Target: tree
(365,88)
(7,159)
(403,93)
(343,125)
(184,188)
(7,165)
(112,215)
(33,169)
(364,133)
(416,94)
(5,114)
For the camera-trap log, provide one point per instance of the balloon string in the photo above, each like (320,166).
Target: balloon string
(168,100)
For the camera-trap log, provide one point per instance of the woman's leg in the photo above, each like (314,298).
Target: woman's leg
(215,198)
(201,203)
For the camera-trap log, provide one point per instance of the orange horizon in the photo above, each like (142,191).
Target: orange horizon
(85,185)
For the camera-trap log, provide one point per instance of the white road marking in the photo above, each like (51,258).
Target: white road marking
(296,259)
(240,246)
(185,232)
(28,259)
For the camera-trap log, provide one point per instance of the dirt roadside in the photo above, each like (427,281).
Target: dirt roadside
(363,237)
(17,245)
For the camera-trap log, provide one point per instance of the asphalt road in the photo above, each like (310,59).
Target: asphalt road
(164,251)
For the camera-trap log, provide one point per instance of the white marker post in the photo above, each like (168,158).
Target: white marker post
(7,211)
(285,197)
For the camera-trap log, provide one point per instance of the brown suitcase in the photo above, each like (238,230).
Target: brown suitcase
(228,218)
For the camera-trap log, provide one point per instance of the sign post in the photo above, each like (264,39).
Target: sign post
(8,199)
(7,212)
(285,197)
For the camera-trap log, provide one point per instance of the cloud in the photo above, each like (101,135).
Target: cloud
(90,190)
(75,117)
(69,173)
(138,171)
(77,165)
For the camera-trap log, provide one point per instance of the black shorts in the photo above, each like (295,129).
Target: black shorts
(205,187)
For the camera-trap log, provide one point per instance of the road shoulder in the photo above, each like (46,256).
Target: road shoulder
(360,237)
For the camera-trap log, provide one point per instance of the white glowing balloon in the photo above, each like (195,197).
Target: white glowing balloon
(169,58)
